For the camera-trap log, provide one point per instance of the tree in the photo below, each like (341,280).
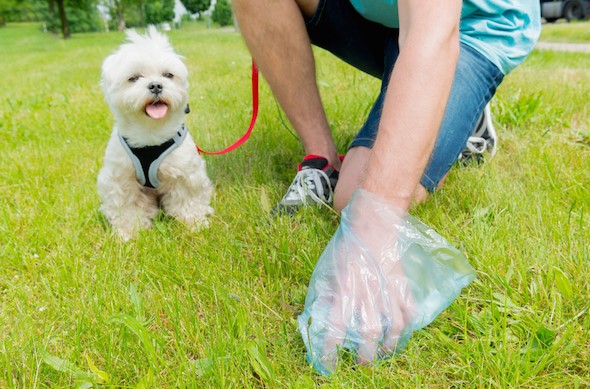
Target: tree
(137,13)
(65,28)
(68,16)
(194,6)
(22,11)
(58,16)
(121,11)
(159,11)
(222,14)
(117,10)
(5,6)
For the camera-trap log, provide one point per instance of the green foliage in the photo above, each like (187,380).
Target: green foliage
(125,13)
(194,6)
(21,11)
(82,16)
(222,14)
(217,308)
(138,13)
(159,11)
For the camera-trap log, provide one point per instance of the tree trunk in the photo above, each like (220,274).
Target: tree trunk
(141,13)
(52,27)
(65,29)
(120,21)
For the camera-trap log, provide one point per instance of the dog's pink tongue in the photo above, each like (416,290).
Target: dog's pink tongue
(156,110)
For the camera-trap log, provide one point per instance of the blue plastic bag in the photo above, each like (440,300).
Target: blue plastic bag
(383,276)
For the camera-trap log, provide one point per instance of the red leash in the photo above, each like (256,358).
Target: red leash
(244,137)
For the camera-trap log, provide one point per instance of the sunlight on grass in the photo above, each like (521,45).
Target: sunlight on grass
(574,32)
(217,309)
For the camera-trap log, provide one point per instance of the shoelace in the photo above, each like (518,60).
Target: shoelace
(477,144)
(306,183)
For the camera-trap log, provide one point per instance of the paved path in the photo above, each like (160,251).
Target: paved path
(573,47)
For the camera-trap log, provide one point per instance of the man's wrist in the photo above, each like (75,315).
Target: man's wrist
(400,200)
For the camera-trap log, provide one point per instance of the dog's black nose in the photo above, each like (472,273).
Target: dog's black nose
(155,87)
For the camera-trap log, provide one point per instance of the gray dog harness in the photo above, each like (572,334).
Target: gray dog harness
(147,160)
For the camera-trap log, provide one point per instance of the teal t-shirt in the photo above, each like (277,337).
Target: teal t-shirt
(504,31)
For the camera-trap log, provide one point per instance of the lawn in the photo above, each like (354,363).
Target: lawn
(575,32)
(218,308)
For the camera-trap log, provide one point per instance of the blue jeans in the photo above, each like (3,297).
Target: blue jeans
(374,49)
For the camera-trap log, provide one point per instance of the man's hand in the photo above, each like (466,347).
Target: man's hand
(383,276)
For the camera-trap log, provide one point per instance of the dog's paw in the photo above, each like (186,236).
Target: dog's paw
(127,225)
(197,218)
(198,225)
(125,236)
(129,231)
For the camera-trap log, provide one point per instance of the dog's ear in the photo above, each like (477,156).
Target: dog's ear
(187,109)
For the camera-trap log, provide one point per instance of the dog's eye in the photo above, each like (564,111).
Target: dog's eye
(168,75)
(133,78)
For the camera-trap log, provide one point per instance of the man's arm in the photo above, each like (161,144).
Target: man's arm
(414,105)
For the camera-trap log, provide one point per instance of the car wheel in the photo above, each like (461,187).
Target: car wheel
(573,11)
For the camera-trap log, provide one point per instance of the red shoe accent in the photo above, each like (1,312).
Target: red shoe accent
(313,156)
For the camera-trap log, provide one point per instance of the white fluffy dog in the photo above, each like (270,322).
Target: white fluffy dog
(151,160)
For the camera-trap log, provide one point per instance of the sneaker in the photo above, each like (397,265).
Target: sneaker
(483,139)
(314,184)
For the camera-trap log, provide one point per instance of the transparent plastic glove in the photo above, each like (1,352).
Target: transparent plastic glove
(383,276)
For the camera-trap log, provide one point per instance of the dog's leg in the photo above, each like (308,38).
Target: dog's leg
(126,206)
(186,189)
(188,199)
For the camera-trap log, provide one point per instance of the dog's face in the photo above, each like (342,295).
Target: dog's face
(145,82)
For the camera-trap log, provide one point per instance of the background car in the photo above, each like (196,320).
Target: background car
(552,10)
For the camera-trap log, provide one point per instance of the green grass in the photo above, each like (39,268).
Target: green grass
(218,308)
(574,32)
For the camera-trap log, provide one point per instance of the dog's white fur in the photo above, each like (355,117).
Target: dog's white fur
(185,189)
